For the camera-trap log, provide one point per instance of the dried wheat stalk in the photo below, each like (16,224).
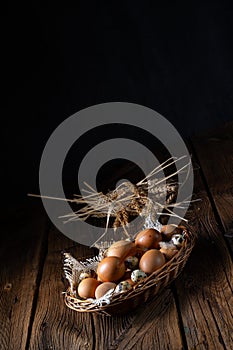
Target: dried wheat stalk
(148,198)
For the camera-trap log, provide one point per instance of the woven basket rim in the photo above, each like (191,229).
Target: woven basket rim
(158,279)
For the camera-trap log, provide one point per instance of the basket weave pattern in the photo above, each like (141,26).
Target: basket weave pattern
(140,293)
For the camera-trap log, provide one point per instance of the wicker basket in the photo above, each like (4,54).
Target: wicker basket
(140,293)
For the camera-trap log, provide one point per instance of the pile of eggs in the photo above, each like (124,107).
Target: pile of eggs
(128,263)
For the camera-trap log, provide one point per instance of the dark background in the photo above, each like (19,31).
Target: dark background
(172,57)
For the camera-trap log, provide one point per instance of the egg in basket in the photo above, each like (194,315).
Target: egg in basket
(130,270)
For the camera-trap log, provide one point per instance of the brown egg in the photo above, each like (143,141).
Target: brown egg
(167,231)
(126,275)
(87,287)
(151,261)
(111,269)
(103,288)
(148,238)
(121,249)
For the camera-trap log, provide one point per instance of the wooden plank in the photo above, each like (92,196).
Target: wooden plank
(204,291)
(215,154)
(55,326)
(205,309)
(154,325)
(21,254)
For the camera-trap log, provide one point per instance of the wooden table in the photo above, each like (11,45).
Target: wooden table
(195,312)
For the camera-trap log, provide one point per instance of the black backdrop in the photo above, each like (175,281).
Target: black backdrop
(169,56)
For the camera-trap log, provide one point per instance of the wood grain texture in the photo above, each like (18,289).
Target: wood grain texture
(195,313)
(55,326)
(205,289)
(215,155)
(152,326)
(21,250)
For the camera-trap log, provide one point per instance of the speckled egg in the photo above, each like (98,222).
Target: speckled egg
(138,275)
(123,286)
(178,240)
(131,262)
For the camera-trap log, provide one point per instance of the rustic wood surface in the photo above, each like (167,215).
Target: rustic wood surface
(204,290)
(215,155)
(21,259)
(195,312)
(55,326)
